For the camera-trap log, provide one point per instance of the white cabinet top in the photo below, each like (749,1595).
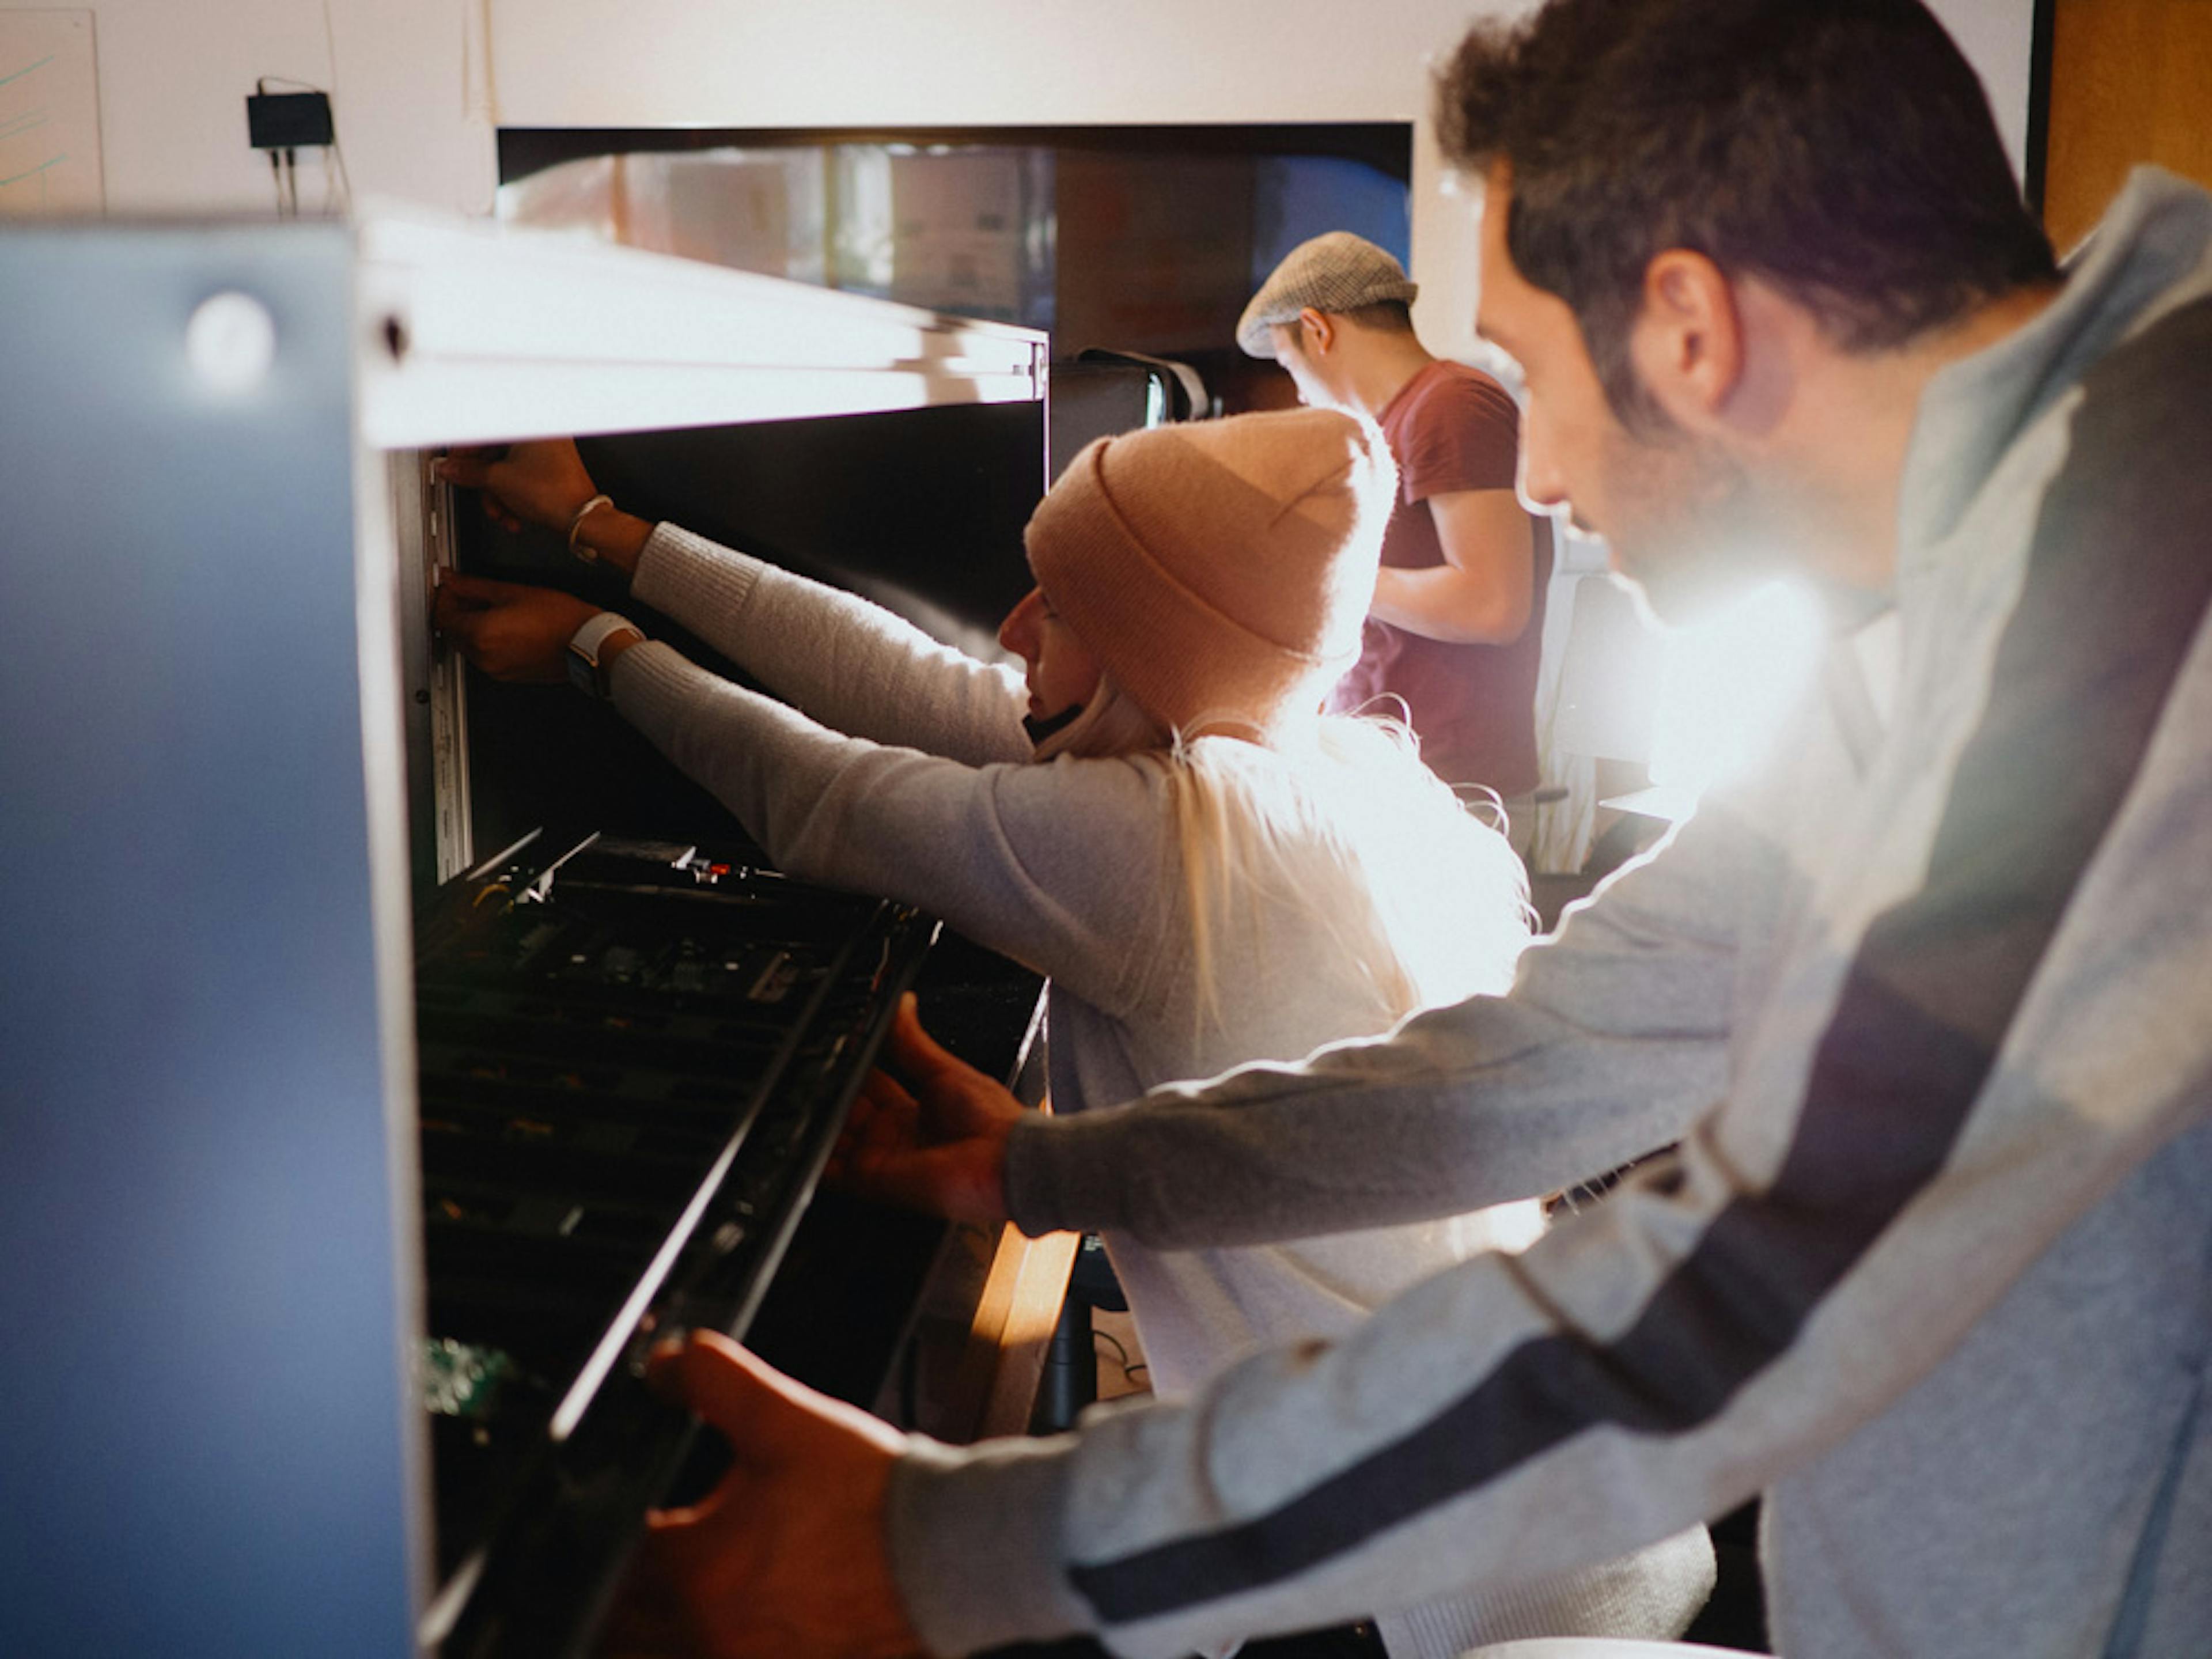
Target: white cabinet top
(479,333)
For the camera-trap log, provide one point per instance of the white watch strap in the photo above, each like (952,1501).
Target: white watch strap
(589,556)
(584,645)
(586,640)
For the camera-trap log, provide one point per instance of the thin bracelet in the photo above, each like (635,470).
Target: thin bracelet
(577,523)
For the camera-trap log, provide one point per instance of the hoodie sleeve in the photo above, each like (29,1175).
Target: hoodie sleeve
(1990,1015)
(1473,1104)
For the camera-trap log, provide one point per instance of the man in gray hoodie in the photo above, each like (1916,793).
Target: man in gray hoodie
(1925,1003)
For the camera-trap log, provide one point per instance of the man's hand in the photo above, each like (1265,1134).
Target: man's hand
(542,483)
(785,1559)
(510,631)
(936,1142)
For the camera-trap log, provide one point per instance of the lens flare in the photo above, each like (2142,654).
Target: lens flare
(1727,684)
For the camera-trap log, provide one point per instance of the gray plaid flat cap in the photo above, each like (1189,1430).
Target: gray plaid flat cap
(1335,272)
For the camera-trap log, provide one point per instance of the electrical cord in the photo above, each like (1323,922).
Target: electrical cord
(338,183)
(1121,1355)
(338,144)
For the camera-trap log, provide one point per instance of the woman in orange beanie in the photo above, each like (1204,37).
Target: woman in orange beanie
(1155,814)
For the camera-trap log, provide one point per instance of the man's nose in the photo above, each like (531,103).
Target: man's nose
(1541,488)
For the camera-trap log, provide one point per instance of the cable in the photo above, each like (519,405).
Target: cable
(276,164)
(1129,1371)
(337,140)
(345,179)
(338,181)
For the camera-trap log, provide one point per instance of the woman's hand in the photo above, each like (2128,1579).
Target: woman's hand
(545,483)
(936,1142)
(785,1559)
(542,483)
(510,631)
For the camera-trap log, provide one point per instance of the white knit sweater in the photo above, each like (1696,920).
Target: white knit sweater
(907,774)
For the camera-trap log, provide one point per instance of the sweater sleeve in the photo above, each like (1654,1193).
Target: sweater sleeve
(1463,1106)
(1037,862)
(852,666)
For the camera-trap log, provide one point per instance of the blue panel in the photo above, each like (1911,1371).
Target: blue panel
(200,1399)
(1298,196)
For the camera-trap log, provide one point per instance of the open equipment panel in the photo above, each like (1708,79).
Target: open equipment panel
(637,1040)
(635,1057)
(351,1170)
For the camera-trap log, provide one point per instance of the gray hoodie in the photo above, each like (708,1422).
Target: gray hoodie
(1932,1003)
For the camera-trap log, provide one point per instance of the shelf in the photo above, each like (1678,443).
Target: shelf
(483,333)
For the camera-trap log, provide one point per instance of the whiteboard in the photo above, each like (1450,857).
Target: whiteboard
(49,114)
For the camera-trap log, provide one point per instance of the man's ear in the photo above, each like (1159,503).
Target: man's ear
(1687,343)
(1320,331)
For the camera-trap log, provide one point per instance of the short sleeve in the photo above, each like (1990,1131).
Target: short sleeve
(1458,431)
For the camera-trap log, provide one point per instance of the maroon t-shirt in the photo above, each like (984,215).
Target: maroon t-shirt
(1452,428)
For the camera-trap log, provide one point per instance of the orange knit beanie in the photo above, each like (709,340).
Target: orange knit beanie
(1219,570)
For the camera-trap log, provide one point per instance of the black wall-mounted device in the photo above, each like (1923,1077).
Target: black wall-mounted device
(288,120)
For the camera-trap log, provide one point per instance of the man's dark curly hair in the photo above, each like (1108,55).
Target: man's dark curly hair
(1841,149)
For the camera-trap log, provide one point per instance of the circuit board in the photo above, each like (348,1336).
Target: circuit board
(633,1058)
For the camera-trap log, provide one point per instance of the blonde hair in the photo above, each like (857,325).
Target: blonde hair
(1302,834)
(1354,792)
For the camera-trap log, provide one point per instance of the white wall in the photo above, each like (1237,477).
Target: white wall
(421,84)
(711,62)
(980,63)
(174,75)
(985,62)
(1998,37)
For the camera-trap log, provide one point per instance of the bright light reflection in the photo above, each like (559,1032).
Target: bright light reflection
(1727,684)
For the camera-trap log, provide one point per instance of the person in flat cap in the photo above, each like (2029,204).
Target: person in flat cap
(1458,615)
